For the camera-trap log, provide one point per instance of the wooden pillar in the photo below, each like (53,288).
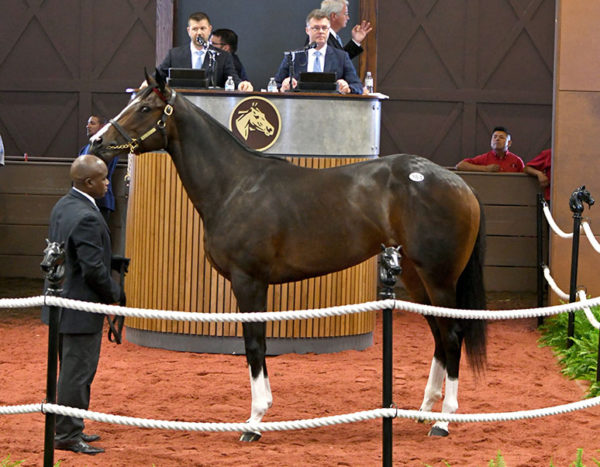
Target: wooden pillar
(575,146)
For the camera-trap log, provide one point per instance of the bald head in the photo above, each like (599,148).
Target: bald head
(88,173)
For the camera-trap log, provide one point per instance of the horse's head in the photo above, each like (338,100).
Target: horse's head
(578,197)
(53,262)
(142,126)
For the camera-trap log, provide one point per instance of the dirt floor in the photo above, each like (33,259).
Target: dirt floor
(159,384)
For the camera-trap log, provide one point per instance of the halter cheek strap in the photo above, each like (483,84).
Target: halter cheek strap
(133,144)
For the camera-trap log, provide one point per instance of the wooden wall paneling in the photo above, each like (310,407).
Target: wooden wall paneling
(368,59)
(84,61)
(450,81)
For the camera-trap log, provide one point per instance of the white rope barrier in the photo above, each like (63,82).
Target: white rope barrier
(590,236)
(588,313)
(553,285)
(299,314)
(303,423)
(553,225)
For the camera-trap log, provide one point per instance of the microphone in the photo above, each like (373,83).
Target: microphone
(312,45)
(201,41)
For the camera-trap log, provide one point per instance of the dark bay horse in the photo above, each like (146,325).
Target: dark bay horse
(268,221)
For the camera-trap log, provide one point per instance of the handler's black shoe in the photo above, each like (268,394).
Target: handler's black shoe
(89,438)
(77,445)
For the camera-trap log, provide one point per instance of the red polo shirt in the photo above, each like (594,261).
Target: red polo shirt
(543,163)
(509,163)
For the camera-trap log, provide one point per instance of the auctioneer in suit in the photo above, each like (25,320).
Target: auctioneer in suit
(336,60)
(181,57)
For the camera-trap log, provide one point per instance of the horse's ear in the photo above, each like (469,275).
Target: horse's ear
(160,81)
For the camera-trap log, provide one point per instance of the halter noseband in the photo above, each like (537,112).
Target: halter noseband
(133,144)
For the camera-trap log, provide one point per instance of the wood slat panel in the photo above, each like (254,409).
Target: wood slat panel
(503,188)
(515,279)
(510,220)
(511,251)
(22,239)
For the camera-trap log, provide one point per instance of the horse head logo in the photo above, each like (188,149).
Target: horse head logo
(53,263)
(253,119)
(578,197)
(389,264)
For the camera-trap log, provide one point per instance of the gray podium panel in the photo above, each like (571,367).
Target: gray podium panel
(311,124)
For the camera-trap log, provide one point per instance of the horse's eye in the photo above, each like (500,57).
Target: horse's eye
(145,109)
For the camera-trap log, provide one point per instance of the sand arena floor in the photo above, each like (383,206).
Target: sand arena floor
(152,383)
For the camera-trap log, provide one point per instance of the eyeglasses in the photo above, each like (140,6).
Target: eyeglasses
(320,28)
(218,44)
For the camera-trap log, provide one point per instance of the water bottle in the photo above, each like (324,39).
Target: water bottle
(369,82)
(229,84)
(272,86)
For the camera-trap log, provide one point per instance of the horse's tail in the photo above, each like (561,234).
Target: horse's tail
(470,294)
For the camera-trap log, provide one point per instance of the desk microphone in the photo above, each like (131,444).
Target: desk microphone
(312,45)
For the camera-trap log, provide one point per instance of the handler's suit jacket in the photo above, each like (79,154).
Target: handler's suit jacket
(79,224)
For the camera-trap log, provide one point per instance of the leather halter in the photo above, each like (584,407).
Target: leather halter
(133,144)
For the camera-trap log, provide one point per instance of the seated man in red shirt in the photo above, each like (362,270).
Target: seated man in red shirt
(499,159)
(541,167)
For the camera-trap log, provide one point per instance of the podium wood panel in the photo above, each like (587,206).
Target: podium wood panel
(169,269)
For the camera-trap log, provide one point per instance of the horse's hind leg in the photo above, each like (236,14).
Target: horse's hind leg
(450,343)
(446,360)
(437,372)
(251,297)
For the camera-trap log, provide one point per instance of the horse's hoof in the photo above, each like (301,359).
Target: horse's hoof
(437,431)
(250,436)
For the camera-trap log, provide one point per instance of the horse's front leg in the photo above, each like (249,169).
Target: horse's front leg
(251,296)
(262,399)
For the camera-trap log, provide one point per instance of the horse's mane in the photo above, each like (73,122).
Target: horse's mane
(215,123)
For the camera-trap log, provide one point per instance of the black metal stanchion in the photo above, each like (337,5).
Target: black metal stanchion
(578,197)
(53,267)
(389,268)
(540,255)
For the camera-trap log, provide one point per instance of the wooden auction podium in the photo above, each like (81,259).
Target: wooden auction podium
(164,238)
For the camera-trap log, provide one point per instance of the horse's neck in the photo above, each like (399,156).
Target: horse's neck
(208,159)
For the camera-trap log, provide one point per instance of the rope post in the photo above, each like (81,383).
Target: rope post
(578,197)
(389,268)
(540,255)
(54,270)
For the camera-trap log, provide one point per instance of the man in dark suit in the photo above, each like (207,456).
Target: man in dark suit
(321,58)
(198,54)
(337,12)
(76,221)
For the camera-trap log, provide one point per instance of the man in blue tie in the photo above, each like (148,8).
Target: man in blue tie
(320,59)
(337,12)
(194,54)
